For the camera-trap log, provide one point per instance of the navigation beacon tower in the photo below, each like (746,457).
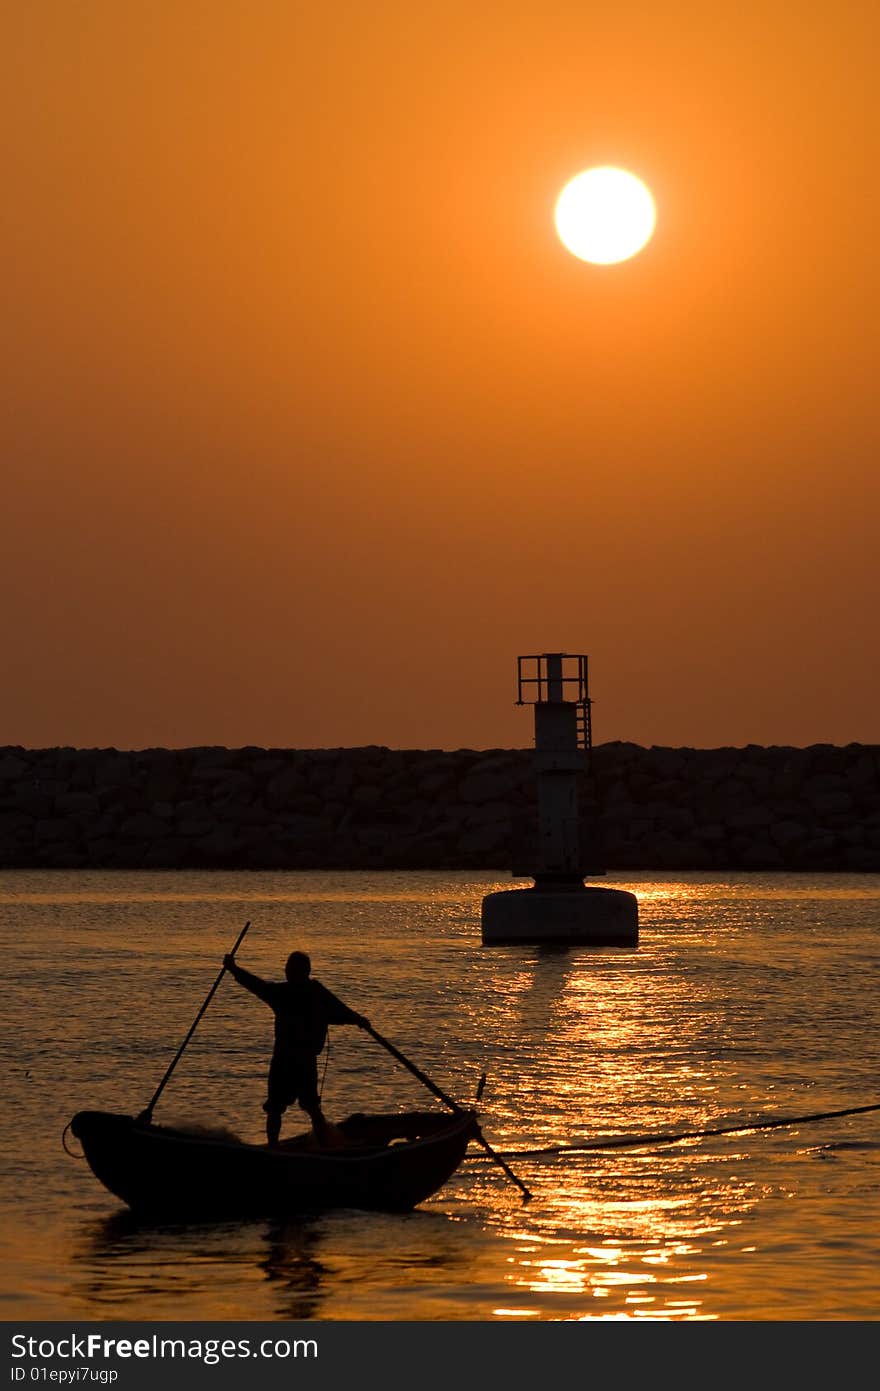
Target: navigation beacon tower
(560,907)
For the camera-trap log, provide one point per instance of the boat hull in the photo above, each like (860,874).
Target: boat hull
(169,1173)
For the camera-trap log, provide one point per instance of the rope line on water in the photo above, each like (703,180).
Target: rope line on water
(642,1141)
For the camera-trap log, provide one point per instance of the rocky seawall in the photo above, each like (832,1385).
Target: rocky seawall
(815,808)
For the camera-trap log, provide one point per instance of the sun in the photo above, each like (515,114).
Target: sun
(605,215)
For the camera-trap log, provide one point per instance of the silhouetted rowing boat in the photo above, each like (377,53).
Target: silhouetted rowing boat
(386,1163)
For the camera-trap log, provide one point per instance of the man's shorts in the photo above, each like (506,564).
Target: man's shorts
(293,1077)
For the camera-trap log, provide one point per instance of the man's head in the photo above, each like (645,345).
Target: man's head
(297,967)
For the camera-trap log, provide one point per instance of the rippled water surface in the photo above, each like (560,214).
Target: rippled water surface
(749,997)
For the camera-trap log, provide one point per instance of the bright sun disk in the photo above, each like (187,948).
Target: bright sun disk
(605,215)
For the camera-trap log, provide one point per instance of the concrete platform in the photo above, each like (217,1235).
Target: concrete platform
(589,916)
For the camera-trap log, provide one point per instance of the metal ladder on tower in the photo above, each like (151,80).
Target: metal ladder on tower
(585,725)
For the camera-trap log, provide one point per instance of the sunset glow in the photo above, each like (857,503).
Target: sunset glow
(303,375)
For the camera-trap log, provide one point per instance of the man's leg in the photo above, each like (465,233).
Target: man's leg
(309,1100)
(276,1100)
(319,1121)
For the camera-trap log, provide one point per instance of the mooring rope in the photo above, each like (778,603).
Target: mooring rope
(324,1073)
(67,1150)
(643,1141)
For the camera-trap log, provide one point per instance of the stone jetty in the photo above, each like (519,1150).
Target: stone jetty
(776,808)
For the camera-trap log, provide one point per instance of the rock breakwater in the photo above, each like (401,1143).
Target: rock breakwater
(815,808)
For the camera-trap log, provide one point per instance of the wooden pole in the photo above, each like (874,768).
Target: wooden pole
(447,1101)
(146,1115)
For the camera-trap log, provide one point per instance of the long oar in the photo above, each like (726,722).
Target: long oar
(447,1101)
(147,1114)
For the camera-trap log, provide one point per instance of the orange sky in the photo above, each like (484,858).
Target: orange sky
(311,425)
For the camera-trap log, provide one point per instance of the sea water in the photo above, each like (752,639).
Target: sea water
(750,997)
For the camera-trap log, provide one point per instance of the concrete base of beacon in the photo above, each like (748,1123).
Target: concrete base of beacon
(588,916)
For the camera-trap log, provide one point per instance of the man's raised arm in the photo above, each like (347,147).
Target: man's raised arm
(263,989)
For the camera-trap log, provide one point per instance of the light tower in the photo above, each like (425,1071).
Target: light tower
(560,907)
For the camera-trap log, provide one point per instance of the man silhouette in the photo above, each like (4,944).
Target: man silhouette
(303,1009)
